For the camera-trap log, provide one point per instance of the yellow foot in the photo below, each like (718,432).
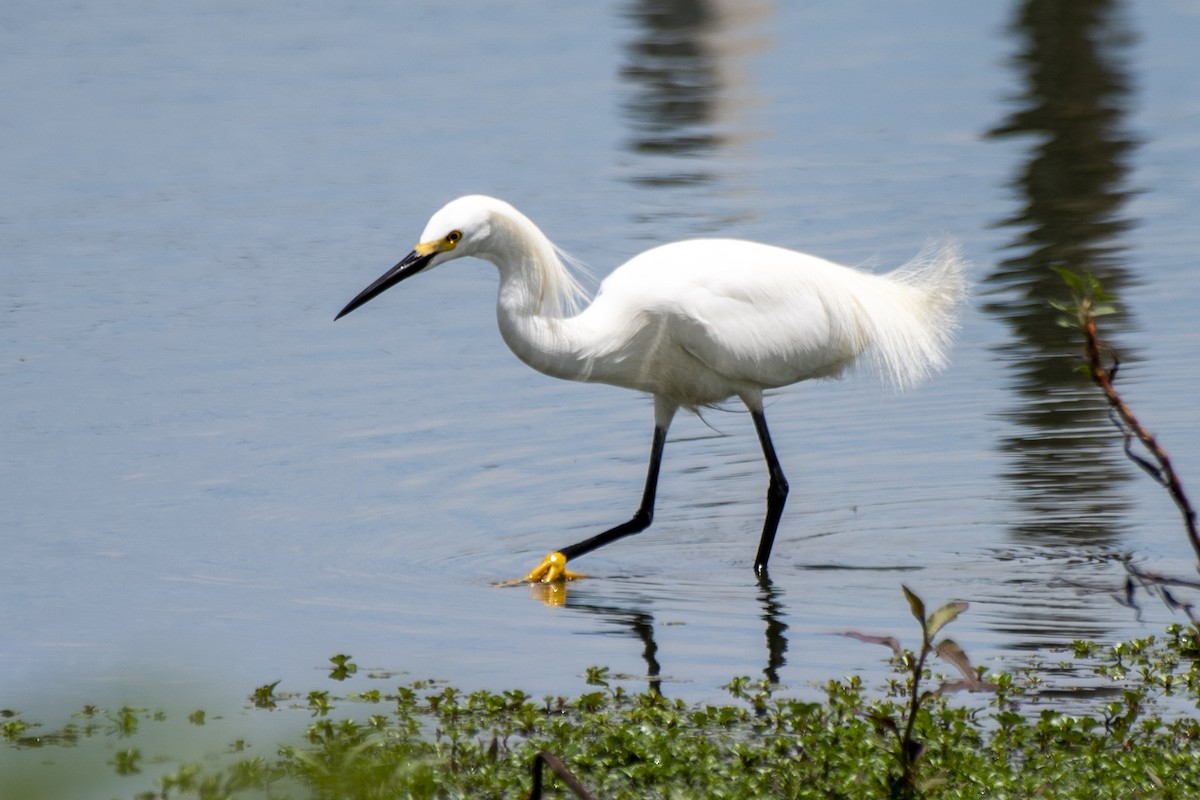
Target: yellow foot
(553,568)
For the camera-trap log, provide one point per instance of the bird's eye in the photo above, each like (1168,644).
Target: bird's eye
(453,237)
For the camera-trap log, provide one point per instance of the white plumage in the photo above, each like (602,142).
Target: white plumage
(695,323)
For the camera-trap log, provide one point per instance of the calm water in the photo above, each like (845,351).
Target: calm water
(206,484)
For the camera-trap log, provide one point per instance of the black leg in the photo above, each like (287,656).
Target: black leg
(777,493)
(645,513)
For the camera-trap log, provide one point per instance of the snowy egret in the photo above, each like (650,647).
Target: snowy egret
(693,324)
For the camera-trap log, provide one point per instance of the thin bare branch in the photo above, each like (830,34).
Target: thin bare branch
(1165,472)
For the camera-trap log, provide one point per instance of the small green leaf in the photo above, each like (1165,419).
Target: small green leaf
(343,667)
(944,616)
(1072,279)
(916,604)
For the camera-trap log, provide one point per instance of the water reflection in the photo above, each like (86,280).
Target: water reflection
(633,619)
(1064,460)
(773,611)
(635,622)
(672,64)
(685,66)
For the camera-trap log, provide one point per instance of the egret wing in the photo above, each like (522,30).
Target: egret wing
(759,314)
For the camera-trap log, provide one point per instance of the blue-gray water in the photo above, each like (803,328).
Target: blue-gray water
(207,485)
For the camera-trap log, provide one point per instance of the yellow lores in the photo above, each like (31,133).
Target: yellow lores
(443,245)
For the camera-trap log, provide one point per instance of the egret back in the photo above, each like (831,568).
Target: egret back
(753,316)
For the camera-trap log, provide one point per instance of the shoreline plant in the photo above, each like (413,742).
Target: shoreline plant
(1140,737)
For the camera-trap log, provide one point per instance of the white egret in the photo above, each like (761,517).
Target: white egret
(695,323)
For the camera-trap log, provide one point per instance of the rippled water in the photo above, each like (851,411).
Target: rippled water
(207,483)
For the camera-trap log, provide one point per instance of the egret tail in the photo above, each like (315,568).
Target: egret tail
(910,331)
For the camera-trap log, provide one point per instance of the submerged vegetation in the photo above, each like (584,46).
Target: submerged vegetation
(1135,738)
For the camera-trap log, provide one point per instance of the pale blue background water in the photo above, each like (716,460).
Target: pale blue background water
(207,485)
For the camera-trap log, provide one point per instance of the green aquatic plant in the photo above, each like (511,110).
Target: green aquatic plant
(901,721)
(1137,736)
(264,696)
(343,667)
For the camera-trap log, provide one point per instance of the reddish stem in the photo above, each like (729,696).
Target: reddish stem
(1100,374)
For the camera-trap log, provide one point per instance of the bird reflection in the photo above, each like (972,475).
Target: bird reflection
(629,621)
(775,627)
(635,621)
(1064,460)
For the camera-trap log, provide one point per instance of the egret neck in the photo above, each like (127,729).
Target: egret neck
(536,293)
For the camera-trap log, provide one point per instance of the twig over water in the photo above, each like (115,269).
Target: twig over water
(1129,425)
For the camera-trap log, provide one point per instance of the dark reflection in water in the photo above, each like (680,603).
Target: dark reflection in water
(684,66)
(1064,459)
(672,64)
(636,623)
(630,618)
(773,610)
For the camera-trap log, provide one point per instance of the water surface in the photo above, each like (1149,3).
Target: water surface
(208,483)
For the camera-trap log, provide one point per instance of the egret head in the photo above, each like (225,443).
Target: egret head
(460,228)
(492,230)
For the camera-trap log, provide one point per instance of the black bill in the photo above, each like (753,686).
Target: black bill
(411,264)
